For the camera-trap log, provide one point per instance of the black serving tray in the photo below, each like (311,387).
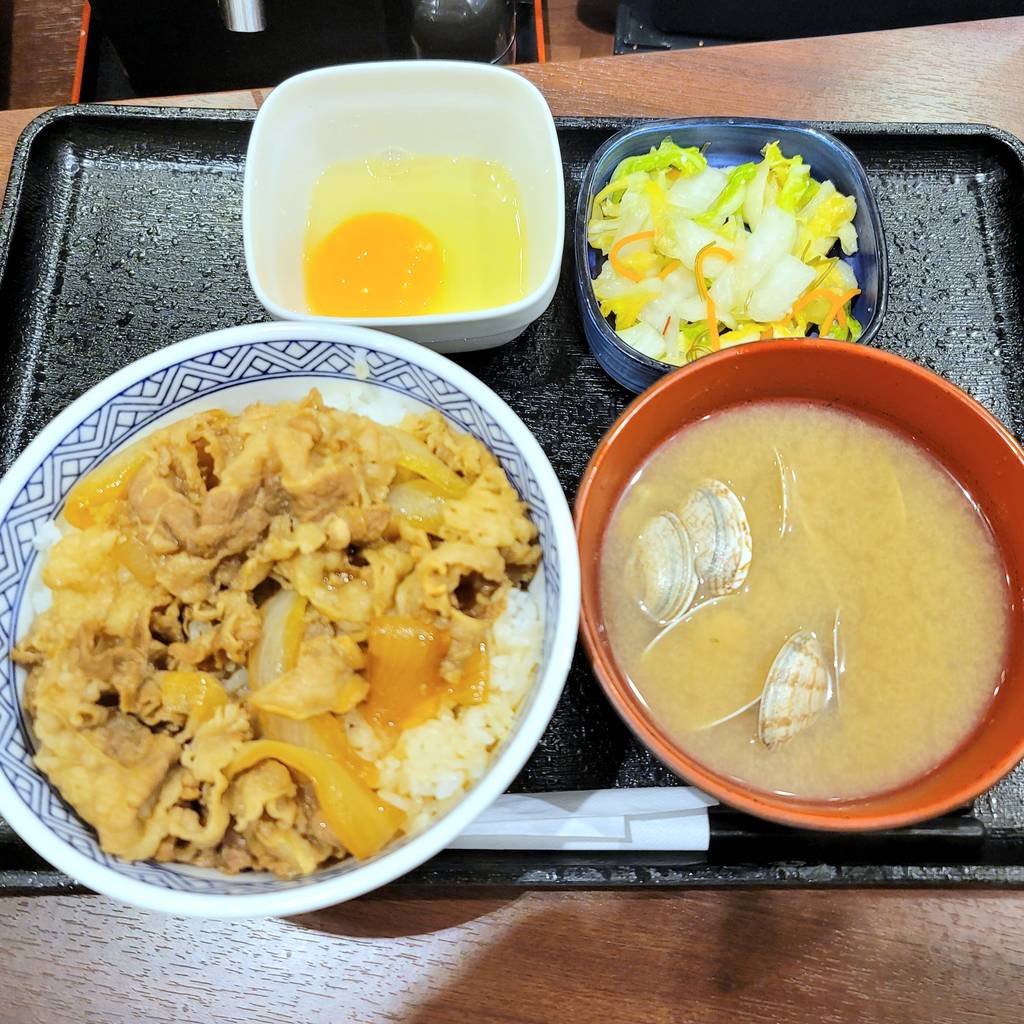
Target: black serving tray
(121,233)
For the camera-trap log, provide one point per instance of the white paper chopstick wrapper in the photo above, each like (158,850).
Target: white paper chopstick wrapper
(673,818)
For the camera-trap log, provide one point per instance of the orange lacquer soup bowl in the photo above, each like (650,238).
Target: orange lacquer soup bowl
(915,403)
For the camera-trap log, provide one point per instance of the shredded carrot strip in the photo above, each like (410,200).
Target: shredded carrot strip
(838,310)
(668,268)
(639,236)
(668,320)
(767,334)
(698,269)
(809,297)
(714,340)
(698,265)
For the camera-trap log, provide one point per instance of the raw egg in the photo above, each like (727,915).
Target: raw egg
(406,235)
(375,264)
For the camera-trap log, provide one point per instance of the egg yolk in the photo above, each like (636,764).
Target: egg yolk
(376,264)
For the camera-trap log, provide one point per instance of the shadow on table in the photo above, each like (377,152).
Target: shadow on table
(630,957)
(393,914)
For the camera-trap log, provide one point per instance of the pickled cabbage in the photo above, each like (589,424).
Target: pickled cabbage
(662,210)
(667,155)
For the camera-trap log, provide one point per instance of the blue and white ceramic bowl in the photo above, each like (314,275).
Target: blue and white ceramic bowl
(230,369)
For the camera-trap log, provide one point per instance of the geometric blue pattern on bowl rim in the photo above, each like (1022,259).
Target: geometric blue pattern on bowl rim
(131,411)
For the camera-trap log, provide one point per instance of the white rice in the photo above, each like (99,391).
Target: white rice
(46,536)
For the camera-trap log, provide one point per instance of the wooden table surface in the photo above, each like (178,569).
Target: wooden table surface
(737,956)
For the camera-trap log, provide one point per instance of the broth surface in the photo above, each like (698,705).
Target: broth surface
(847,519)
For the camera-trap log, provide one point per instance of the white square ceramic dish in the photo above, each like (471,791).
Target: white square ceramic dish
(451,108)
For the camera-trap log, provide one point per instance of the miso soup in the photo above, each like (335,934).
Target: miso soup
(805,600)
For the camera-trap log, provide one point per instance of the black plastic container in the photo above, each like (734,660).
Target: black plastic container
(122,233)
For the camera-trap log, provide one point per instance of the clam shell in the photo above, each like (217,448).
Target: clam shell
(795,691)
(660,570)
(720,534)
